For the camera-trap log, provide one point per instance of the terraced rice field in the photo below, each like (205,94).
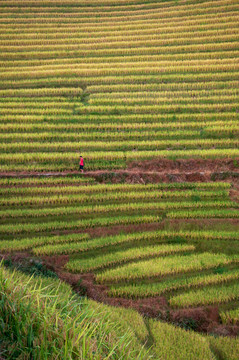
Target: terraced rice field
(144,90)
(125,234)
(117,82)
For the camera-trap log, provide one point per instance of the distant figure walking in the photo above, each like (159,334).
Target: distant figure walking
(81,163)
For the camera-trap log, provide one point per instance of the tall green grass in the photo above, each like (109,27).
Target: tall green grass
(42,319)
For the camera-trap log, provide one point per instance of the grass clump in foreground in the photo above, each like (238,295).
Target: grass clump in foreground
(42,319)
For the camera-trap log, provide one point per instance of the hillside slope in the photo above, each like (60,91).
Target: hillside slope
(81,329)
(145,243)
(117,82)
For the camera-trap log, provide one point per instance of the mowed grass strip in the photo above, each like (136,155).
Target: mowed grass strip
(84,265)
(160,267)
(206,296)
(156,289)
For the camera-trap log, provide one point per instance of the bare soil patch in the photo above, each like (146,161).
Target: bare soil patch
(155,170)
(182,165)
(203,319)
(207,319)
(117,229)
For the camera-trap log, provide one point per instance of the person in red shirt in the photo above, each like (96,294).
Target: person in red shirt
(81,163)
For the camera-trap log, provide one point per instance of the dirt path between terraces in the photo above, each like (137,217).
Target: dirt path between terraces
(154,171)
(206,319)
(148,167)
(150,171)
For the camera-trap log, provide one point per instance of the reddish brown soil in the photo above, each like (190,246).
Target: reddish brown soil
(155,170)
(207,319)
(185,165)
(177,223)
(113,230)
(147,307)
(191,170)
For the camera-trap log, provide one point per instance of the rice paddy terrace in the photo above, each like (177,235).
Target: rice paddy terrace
(147,91)
(173,244)
(117,82)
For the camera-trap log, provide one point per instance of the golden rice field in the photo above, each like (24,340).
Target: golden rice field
(119,82)
(148,255)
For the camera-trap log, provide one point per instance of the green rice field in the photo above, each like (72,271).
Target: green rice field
(138,256)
